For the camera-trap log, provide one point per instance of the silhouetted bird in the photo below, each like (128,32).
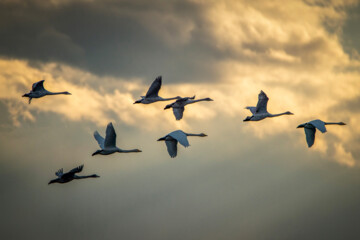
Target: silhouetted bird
(152,94)
(39,91)
(310,129)
(69,176)
(260,111)
(174,137)
(179,105)
(108,145)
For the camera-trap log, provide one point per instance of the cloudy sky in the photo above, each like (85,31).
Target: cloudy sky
(253,180)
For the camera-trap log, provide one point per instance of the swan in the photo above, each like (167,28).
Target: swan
(152,94)
(174,137)
(108,145)
(179,105)
(69,176)
(310,129)
(260,111)
(39,91)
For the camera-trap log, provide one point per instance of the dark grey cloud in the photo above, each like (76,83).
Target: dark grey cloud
(105,38)
(142,39)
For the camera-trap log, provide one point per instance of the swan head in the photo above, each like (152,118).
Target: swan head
(67,93)
(137,150)
(202,135)
(97,152)
(53,181)
(301,125)
(208,99)
(168,106)
(289,113)
(26,95)
(138,101)
(94,176)
(247,119)
(342,123)
(162,139)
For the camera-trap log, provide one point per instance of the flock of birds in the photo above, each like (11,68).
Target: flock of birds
(108,144)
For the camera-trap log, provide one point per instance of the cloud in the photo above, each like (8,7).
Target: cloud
(225,50)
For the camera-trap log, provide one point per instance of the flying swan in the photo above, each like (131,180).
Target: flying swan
(108,145)
(310,129)
(69,176)
(152,94)
(260,111)
(174,137)
(39,91)
(179,105)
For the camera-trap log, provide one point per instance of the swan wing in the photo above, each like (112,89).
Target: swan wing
(154,88)
(99,139)
(77,169)
(38,86)
(181,137)
(110,138)
(171,146)
(178,112)
(252,109)
(261,106)
(59,173)
(319,125)
(310,136)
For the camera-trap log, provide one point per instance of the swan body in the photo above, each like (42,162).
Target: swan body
(39,91)
(179,105)
(71,175)
(174,137)
(152,94)
(310,129)
(260,111)
(108,145)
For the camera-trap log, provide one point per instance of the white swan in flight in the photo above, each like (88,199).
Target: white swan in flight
(174,137)
(260,111)
(310,129)
(179,105)
(39,91)
(69,176)
(108,145)
(152,94)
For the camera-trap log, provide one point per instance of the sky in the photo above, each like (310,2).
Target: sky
(246,180)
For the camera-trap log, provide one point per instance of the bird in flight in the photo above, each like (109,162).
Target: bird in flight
(260,111)
(310,129)
(71,175)
(39,91)
(108,145)
(174,137)
(152,94)
(179,105)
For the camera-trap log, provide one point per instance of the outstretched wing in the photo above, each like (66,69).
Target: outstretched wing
(110,138)
(252,109)
(310,136)
(181,137)
(38,86)
(59,173)
(178,112)
(154,88)
(171,146)
(261,106)
(77,169)
(99,139)
(319,125)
